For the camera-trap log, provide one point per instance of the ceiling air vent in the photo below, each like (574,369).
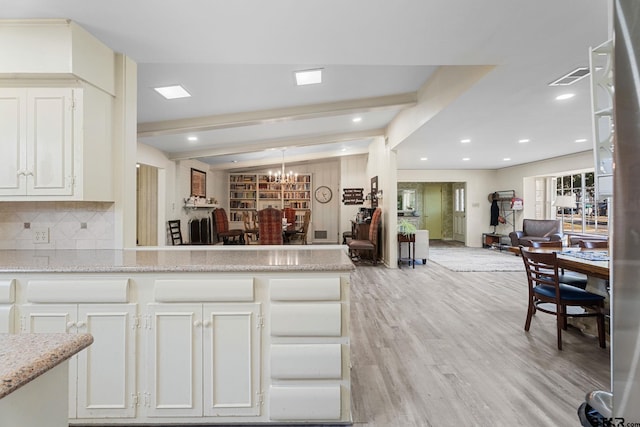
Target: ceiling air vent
(572,77)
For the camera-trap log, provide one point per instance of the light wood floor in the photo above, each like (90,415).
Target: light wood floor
(431,347)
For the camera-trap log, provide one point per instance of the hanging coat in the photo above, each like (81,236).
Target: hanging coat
(495,212)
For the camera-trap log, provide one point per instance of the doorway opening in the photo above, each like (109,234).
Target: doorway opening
(440,208)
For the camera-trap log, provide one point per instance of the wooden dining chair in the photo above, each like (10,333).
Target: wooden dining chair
(594,244)
(250,231)
(270,226)
(370,244)
(301,234)
(548,295)
(175,233)
(229,237)
(568,278)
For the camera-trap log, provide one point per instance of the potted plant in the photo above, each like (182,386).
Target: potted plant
(406,228)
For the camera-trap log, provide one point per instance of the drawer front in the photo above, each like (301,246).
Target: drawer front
(306,320)
(204,290)
(78,291)
(305,289)
(304,403)
(306,361)
(7,291)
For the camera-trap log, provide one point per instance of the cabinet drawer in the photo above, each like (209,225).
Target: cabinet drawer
(7,291)
(306,320)
(78,291)
(305,289)
(306,361)
(204,290)
(304,403)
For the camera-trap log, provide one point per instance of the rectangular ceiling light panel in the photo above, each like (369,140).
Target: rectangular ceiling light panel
(172,92)
(309,77)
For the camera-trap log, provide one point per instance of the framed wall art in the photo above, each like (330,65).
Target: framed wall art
(198,183)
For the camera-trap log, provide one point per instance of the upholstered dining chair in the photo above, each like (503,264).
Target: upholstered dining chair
(270,226)
(290,215)
(371,244)
(568,278)
(548,295)
(235,236)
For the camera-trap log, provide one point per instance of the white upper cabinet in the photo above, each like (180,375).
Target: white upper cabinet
(57,144)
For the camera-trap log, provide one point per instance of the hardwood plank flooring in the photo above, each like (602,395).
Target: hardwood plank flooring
(432,347)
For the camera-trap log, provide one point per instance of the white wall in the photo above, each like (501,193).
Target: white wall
(352,175)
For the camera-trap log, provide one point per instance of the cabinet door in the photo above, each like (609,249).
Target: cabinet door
(175,360)
(13,139)
(231,359)
(50,141)
(106,369)
(54,318)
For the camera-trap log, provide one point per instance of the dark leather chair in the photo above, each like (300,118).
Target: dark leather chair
(371,244)
(537,230)
(270,226)
(228,236)
(548,295)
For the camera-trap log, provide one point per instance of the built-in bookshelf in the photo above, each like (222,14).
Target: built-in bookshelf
(255,192)
(242,195)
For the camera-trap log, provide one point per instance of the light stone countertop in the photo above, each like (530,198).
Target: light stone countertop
(185,259)
(24,357)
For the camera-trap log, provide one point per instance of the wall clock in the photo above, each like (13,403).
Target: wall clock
(323,194)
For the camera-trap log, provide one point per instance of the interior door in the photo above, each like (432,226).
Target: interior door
(433,210)
(459,212)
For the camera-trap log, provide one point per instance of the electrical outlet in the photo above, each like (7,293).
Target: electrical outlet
(40,234)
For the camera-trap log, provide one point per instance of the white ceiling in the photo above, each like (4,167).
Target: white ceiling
(237,60)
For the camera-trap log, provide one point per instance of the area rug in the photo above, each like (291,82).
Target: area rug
(475,259)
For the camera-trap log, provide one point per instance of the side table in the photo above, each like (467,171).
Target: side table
(410,239)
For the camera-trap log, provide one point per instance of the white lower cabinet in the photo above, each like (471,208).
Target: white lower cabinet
(204,360)
(102,377)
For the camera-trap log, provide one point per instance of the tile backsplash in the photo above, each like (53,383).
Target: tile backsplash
(71,225)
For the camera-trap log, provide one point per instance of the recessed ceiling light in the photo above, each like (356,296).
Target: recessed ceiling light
(565,96)
(466,159)
(506,159)
(234,161)
(356,119)
(581,140)
(344,149)
(172,92)
(465,141)
(192,138)
(309,77)
(423,158)
(523,141)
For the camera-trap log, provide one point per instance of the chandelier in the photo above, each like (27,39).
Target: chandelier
(281,177)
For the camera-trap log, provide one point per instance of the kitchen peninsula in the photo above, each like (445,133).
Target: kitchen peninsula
(192,335)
